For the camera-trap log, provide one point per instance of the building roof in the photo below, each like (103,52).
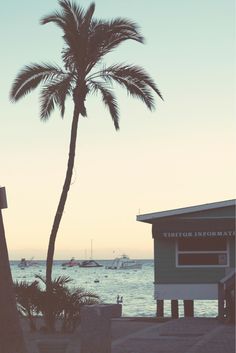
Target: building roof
(150,217)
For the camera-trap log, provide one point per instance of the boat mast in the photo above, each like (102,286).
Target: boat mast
(91,254)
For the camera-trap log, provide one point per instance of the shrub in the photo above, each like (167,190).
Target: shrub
(65,302)
(28,297)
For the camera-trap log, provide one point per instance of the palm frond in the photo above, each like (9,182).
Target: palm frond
(55,17)
(47,101)
(22,285)
(132,72)
(42,278)
(87,18)
(31,76)
(79,296)
(71,11)
(54,94)
(74,22)
(126,26)
(109,100)
(107,35)
(136,81)
(84,34)
(138,90)
(68,19)
(62,280)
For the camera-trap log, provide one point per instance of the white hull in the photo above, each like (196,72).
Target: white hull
(124,263)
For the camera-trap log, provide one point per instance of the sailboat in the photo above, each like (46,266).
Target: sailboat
(90,263)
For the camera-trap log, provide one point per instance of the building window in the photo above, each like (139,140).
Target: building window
(202,252)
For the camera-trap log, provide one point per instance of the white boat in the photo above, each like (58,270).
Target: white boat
(71,263)
(27,263)
(124,263)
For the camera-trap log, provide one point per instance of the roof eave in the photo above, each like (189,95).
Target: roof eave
(150,217)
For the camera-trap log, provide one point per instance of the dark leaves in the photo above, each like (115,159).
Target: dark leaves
(87,41)
(109,101)
(135,79)
(133,73)
(105,36)
(31,76)
(53,94)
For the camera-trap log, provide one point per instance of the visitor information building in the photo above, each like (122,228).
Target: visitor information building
(194,251)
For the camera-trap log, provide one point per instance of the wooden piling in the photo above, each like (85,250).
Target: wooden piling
(174,309)
(188,308)
(160,308)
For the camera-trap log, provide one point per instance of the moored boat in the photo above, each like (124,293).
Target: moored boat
(27,263)
(90,263)
(71,263)
(124,263)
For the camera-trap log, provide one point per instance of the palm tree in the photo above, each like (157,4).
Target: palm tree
(86,42)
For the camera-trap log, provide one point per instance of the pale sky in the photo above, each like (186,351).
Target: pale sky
(183,154)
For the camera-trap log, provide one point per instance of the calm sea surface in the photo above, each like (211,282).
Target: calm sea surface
(136,286)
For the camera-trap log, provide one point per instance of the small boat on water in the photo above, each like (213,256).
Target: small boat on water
(124,263)
(90,263)
(71,263)
(27,263)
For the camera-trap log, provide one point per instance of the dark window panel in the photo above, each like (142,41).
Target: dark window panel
(202,259)
(212,244)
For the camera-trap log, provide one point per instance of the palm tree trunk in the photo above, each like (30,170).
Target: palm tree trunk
(11,337)
(50,321)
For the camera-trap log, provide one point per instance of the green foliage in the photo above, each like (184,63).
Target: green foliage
(28,298)
(65,302)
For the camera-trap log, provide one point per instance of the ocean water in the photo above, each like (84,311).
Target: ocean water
(135,286)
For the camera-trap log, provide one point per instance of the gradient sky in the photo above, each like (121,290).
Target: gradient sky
(181,155)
